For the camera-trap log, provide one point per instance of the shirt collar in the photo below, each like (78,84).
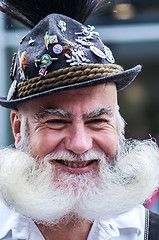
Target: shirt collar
(20,226)
(10,220)
(106,229)
(131,219)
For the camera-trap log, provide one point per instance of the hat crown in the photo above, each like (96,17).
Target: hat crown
(58,42)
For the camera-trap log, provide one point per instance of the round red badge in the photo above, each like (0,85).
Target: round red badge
(57,49)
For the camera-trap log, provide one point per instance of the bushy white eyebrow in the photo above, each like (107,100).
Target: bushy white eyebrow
(53,111)
(62,113)
(96,113)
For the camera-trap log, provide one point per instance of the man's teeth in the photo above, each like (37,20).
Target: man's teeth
(73,164)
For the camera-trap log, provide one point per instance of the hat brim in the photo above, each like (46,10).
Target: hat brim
(121,80)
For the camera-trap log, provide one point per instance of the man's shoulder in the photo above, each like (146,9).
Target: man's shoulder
(153,226)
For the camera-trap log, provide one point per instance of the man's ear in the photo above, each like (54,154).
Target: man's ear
(16,125)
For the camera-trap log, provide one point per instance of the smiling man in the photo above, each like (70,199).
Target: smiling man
(72,174)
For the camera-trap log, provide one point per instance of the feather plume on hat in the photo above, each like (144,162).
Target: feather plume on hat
(30,12)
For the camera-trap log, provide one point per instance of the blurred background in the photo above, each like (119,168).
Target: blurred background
(131,29)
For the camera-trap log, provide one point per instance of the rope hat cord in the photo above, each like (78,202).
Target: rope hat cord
(64,77)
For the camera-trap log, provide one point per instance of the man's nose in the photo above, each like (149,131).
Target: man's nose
(79,140)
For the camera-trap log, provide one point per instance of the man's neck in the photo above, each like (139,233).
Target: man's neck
(70,231)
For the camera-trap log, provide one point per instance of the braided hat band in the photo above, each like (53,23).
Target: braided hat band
(65,77)
(59,54)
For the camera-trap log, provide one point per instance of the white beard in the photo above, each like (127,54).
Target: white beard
(119,186)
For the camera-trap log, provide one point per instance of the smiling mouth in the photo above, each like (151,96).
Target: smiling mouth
(78,164)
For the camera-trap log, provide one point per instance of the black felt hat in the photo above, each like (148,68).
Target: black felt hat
(59,54)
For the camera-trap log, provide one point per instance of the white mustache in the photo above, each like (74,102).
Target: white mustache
(68,156)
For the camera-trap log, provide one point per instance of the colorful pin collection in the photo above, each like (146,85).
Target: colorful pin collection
(46,60)
(74,52)
(84,38)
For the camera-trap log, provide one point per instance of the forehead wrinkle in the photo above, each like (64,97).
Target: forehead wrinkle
(53,111)
(108,111)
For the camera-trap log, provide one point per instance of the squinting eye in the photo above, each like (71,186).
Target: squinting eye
(98,121)
(56,121)
(56,124)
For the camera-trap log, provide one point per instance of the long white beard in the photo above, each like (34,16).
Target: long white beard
(119,186)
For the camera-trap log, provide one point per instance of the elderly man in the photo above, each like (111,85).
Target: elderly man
(73,175)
